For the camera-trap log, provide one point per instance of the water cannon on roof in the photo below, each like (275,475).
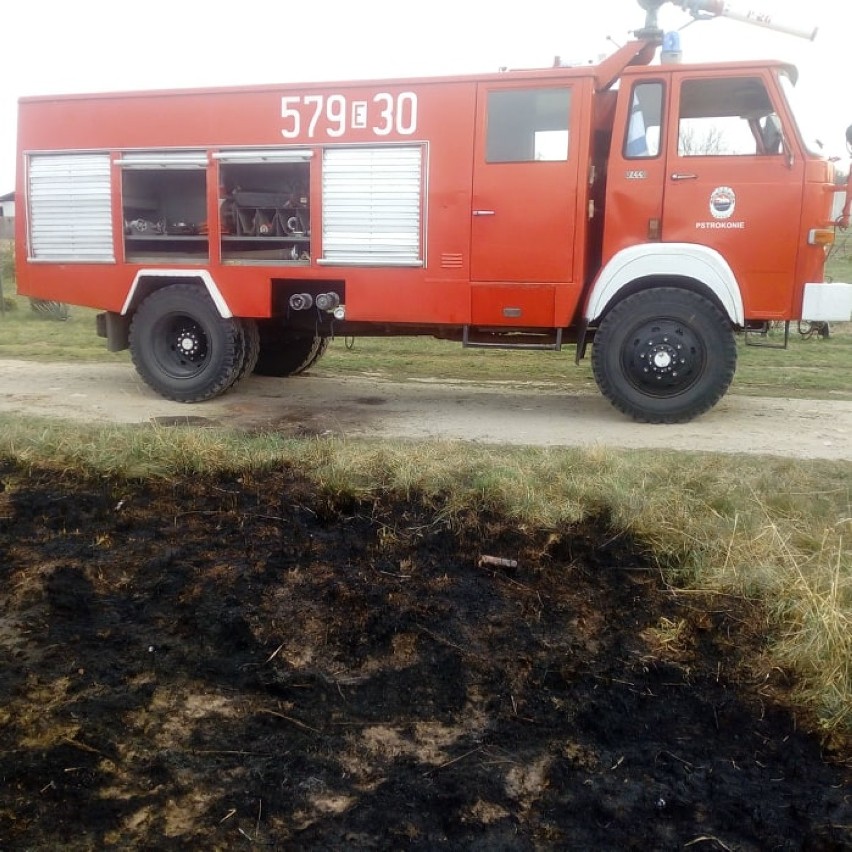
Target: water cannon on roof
(651,31)
(705,10)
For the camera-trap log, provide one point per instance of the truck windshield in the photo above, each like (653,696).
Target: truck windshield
(804,119)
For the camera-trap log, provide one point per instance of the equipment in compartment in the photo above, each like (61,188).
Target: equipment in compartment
(264,208)
(165,211)
(269,214)
(144,227)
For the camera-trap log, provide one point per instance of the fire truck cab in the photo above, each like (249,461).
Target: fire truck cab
(651,211)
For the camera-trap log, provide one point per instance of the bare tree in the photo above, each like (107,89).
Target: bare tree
(707,140)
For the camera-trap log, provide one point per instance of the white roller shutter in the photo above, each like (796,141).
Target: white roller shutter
(270,155)
(371,205)
(152,160)
(69,207)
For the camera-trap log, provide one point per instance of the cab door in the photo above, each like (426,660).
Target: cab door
(733,184)
(636,168)
(524,184)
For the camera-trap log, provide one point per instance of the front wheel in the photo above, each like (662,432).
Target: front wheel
(182,347)
(664,355)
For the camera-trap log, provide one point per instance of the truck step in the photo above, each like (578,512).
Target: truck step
(478,338)
(761,338)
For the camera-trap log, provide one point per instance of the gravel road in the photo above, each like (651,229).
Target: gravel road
(321,404)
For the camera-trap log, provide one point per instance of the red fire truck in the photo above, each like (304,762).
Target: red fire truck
(652,210)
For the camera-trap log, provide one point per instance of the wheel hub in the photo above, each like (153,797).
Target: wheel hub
(181,346)
(188,344)
(662,358)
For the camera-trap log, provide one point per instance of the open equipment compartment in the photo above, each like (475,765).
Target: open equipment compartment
(164,206)
(264,208)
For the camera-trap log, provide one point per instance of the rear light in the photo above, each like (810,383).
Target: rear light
(821,237)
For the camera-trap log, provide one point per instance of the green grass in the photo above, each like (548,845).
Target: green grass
(31,336)
(7,265)
(839,266)
(812,368)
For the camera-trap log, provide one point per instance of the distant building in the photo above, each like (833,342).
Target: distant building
(7,216)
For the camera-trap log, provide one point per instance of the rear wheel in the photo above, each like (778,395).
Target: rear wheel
(182,347)
(283,355)
(664,355)
(319,351)
(251,348)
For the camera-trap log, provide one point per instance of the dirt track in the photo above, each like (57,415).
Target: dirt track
(321,403)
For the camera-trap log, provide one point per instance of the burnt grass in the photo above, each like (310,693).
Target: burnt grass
(244,661)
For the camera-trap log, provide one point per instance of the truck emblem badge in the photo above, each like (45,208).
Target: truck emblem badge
(723,202)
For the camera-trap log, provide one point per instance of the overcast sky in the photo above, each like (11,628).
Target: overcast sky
(54,46)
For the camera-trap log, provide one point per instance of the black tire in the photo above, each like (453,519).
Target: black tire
(322,345)
(664,355)
(182,347)
(281,354)
(251,348)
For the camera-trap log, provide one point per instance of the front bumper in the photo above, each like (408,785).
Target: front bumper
(827,302)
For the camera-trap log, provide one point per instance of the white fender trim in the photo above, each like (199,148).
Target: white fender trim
(685,260)
(215,294)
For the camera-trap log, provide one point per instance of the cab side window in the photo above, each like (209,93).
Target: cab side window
(727,117)
(642,140)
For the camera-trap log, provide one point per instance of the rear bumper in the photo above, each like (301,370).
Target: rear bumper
(826,302)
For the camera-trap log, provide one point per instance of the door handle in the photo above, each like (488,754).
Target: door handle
(483,212)
(681,176)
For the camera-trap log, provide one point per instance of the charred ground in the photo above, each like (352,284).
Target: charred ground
(210,662)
